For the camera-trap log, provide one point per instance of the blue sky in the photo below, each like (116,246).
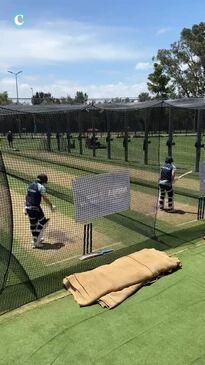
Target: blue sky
(103,48)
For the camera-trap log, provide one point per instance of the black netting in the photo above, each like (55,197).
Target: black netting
(67,142)
(6,226)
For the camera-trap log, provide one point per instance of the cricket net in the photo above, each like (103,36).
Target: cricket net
(68,142)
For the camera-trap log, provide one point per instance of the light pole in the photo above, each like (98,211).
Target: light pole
(16,77)
(31,91)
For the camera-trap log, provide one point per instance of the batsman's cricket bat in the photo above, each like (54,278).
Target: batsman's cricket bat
(186,173)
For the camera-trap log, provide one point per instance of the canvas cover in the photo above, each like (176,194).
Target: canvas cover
(111,284)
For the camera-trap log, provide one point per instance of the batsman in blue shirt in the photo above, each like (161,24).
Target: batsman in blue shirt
(36,191)
(167,178)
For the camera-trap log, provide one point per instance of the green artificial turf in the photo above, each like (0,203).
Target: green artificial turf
(162,324)
(184,151)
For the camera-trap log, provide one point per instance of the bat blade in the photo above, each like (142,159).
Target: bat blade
(186,173)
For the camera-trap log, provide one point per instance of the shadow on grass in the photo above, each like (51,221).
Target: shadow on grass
(52,246)
(178,211)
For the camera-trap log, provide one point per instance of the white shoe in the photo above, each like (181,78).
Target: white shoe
(36,244)
(39,239)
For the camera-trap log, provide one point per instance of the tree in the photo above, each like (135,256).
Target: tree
(116,100)
(67,100)
(126,100)
(143,97)
(47,98)
(159,83)
(80,97)
(44,98)
(4,99)
(184,62)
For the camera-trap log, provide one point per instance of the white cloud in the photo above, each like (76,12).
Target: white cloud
(163,30)
(31,78)
(184,67)
(59,43)
(65,42)
(196,58)
(60,88)
(143,66)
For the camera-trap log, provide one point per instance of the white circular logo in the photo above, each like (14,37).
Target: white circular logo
(18,19)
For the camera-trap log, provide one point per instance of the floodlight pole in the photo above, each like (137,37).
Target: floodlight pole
(16,78)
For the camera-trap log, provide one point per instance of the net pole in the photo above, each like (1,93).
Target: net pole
(126,136)
(68,132)
(170,132)
(108,139)
(80,139)
(198,144)
(146,140)
(93,134)
(48,139)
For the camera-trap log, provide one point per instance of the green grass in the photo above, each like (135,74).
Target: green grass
(161,324)
(183,152)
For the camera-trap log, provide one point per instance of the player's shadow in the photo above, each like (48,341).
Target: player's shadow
(59,235)
(178,211)
(52,246)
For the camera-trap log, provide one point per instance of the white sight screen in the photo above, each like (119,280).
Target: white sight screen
(100,195)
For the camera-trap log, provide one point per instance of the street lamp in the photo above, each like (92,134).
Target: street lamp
(31,91)
(16,76)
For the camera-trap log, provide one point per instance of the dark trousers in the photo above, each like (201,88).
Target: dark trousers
(10,143)
(37,220)
(163,189)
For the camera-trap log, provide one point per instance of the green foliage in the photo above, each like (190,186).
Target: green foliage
(44,98)
(144,97)
(67,100)
(4,98)
(159,83)
(184,62)
(47,98)
(80,97)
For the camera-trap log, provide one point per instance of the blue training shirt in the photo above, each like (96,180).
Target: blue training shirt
(34,193)
(166,173)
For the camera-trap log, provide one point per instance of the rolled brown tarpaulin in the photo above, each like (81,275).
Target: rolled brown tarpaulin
(111,284)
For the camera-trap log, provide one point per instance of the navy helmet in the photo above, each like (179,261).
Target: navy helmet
(42,178)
